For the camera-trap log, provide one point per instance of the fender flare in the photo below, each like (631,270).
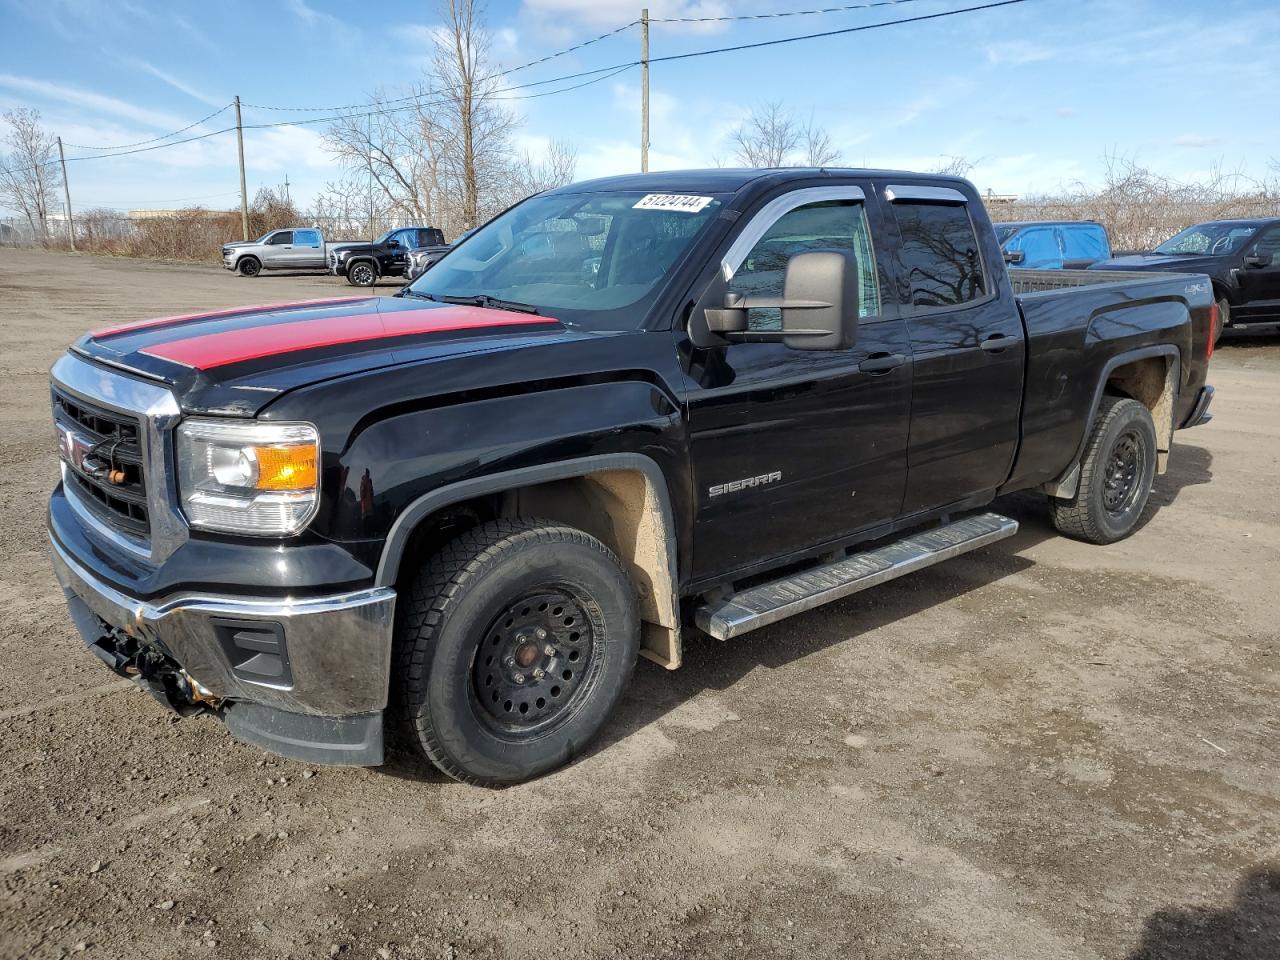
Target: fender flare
(409,518)
(1065,485)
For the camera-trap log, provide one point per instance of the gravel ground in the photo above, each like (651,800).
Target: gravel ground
(1040,750)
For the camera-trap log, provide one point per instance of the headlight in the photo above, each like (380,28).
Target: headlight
(249,477)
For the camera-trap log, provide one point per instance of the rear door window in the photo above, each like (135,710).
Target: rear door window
(941,263)
(306,238)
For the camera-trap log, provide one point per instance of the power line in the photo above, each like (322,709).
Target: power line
(834,33)
(122,146)
(492,76)
(782,13)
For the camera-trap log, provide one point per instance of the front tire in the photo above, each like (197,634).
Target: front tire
(1115,475)
(362,274)
(514,645)
(249,266)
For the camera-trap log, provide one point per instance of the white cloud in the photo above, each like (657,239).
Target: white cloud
(92,101)
(177,84)
(310,15)
(1017,52)
(1195,141)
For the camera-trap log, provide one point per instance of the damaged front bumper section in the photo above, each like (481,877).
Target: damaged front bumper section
(303,677)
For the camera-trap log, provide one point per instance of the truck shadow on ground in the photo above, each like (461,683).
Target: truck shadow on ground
(714,665)
(1248,929)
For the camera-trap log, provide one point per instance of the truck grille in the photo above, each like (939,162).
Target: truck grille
(116,442)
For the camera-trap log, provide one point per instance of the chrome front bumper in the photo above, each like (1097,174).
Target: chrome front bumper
(337,648)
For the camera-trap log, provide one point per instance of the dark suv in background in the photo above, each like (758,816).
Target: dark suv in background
(1240,257)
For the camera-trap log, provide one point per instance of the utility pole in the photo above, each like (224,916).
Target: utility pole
(644,90)
(66,193)
(244,194)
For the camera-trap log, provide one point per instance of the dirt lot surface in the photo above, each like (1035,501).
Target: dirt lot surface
(1041,750)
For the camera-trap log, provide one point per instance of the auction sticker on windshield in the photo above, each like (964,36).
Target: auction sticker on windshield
(672,201)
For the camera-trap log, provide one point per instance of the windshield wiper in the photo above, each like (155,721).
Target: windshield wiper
(413,294)
(488,302)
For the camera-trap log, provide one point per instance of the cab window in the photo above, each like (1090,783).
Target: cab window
(826,225)
(284,236)
(941,264)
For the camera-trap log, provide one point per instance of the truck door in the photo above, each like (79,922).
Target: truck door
(792,449)
(1259,278)
(277,250)
(967,343)
(308,250)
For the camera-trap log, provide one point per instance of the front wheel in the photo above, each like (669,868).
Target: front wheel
(362,274)
(249,266)
(514,644)
(1115,475)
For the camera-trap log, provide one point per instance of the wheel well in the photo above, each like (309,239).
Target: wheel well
(619,507)
(1152,381)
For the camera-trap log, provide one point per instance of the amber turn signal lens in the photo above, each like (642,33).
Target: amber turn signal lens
(286,468)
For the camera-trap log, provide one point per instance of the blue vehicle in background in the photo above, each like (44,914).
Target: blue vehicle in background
(1053,244)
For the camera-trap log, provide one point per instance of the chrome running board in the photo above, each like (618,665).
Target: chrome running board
(768,603)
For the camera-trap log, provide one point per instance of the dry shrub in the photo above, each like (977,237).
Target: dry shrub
(1141,209)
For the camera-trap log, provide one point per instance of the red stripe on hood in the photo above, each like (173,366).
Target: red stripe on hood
(214,314)
(220,349)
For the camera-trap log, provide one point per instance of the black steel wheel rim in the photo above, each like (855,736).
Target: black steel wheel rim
(1121,481)
(531,667)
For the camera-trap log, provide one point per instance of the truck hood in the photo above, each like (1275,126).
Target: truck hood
(1159,262)
(234,362)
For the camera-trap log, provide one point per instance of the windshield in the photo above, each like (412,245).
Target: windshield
(1209,239)
(590,260)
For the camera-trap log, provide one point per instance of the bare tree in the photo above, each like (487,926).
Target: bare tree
(766,138)
(954,167)
(556,169)
(771,137)
(475,127)
(29,172)
(819,151)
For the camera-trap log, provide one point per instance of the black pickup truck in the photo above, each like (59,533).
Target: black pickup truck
(620,410)
(387,256)
(1241,258)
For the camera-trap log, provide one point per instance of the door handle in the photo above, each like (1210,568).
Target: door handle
(879,363)
(996,342)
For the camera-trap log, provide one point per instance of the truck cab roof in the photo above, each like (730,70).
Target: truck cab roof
(733,180)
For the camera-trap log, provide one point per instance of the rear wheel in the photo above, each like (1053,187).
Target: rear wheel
(514,646)
(362,274)
(249,266)
(1115,475)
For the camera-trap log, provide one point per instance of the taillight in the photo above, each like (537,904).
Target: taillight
(1213,329)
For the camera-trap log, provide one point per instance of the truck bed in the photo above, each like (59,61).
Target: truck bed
(1077,322)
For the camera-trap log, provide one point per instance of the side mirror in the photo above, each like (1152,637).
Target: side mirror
(1256,260)
(1014,256)
(819,305)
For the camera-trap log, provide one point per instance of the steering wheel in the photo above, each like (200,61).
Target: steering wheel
(1221,245)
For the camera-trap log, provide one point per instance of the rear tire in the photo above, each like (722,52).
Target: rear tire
(249,266)
(1115,475)
(533,600)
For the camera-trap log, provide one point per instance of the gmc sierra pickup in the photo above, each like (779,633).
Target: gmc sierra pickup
(619,409)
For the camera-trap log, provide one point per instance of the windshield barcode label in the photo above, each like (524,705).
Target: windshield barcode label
(672,201)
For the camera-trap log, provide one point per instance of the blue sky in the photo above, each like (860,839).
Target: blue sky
(1036,94)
